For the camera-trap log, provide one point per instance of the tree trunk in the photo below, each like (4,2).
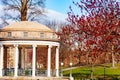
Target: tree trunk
(24,8)
(92,71)
(87,59)
(113,60)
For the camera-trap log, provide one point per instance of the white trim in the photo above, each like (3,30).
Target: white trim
(30,43)
(57,61)
(34,60)
(16,60)
(1,59)
(49,61)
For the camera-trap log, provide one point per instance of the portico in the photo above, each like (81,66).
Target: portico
(15,40)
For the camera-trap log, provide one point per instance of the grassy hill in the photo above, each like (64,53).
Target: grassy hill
(100,72)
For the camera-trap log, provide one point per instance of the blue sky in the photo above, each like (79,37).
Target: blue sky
(61,6)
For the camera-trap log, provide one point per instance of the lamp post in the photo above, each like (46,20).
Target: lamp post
(104,65)
(71,78)
(61,69)
(104,72)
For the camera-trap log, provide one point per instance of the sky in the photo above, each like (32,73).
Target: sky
(61,6)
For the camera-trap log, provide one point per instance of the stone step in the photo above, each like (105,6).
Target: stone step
(33,78)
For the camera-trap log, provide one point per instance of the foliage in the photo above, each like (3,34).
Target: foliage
(27,72)
(96,31)
(10,73)
(101,27)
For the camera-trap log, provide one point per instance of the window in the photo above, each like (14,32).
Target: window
(25,34)
(53,35)
(9,34)
(41,35)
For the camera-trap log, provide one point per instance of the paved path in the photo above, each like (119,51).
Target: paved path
(69,68)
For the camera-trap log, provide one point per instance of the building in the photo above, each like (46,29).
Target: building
(18,37)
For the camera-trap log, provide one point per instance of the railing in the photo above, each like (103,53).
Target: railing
(24,72)
(8,72)
(41,73)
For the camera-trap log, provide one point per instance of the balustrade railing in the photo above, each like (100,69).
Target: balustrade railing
(24,72)
(8,72)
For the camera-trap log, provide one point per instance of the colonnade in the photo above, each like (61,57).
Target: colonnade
(34,46)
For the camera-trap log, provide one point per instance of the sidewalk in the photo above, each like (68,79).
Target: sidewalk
(69,68)
(32,78)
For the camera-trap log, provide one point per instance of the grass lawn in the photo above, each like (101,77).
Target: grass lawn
(98,72)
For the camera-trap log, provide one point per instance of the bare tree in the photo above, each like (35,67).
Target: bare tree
(24,9)
(55,25)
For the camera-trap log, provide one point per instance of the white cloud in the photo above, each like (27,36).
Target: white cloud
(1,10)
(54,15)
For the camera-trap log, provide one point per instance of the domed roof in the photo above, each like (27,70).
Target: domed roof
(26,26)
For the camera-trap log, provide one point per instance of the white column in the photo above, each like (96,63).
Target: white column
(49,61)
(1,59)
(23,58)
(34,60)
(57,61)
(16,60)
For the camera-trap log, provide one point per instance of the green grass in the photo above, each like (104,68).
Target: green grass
(98,72)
